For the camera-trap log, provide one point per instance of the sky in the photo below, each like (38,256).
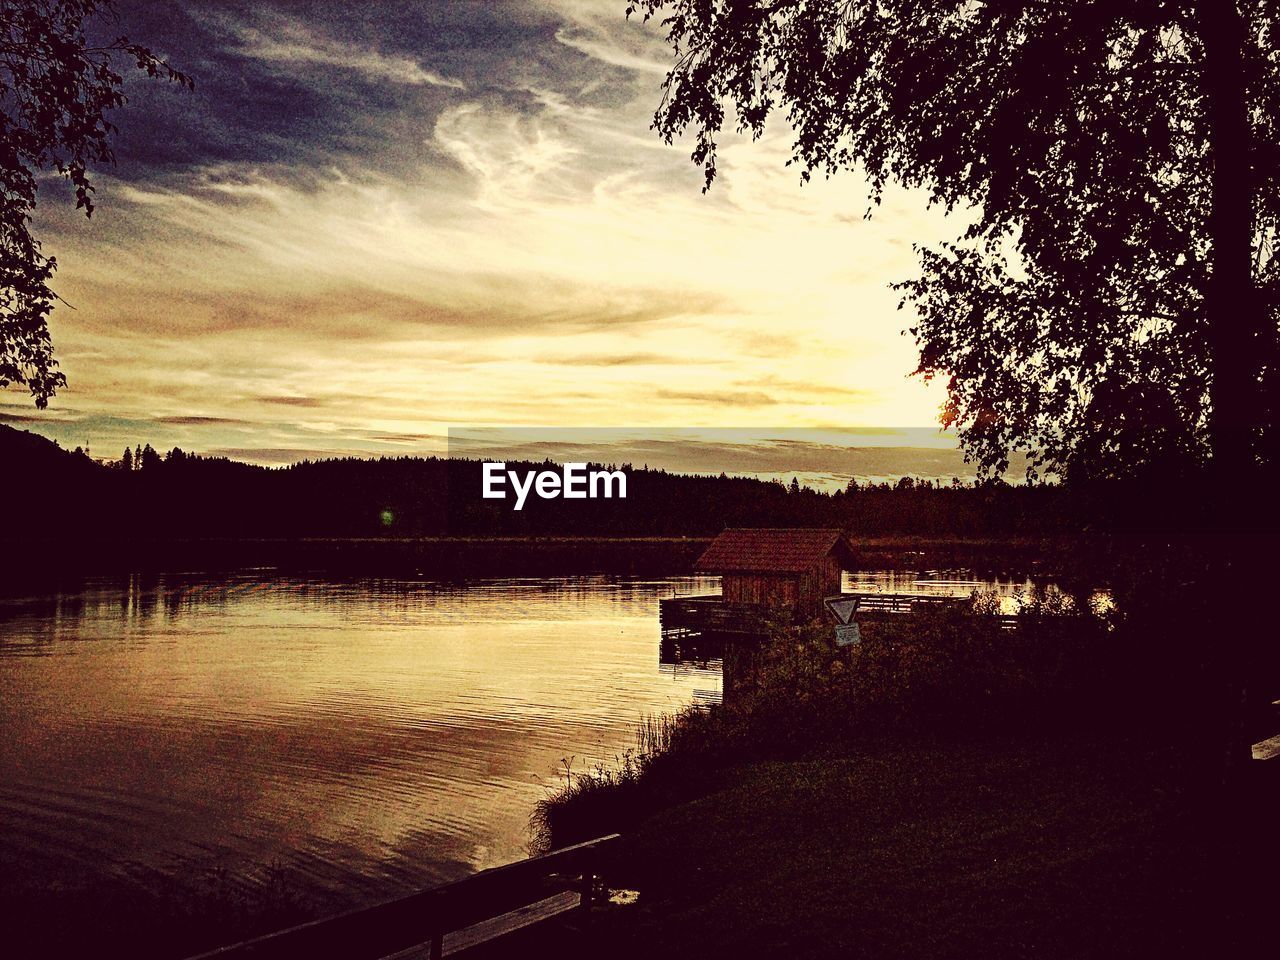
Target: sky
(372,225)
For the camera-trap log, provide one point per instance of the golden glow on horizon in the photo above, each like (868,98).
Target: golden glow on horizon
(555,265)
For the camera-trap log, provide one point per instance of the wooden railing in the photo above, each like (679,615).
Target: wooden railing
(425,917)
(710,614)
(873,605)
(900,602)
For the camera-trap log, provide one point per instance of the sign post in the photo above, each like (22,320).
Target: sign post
(845,610)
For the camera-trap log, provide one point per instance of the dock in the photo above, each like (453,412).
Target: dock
(687,618)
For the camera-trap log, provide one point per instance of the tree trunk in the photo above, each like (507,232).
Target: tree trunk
(1235,346)
(1231,306)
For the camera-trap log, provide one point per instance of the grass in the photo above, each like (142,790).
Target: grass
(876,804)
(994,848)
(938,670)
(587,804)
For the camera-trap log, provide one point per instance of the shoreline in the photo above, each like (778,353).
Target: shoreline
(37,563)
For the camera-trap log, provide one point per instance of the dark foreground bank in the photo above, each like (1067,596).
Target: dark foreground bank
(947,788)
(999,847)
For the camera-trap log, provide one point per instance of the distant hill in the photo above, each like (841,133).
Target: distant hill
(49,491)
(37,456)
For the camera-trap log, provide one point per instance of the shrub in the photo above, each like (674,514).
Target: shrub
(953,668)
(946,670)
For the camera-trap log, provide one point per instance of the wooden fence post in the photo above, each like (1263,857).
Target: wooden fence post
(588,884)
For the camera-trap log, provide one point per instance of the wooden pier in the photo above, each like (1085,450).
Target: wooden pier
(710,615)
(775,575)
(684,617)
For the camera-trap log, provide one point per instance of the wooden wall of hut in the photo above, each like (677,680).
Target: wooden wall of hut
(819,582)
(803,592)
(767,589)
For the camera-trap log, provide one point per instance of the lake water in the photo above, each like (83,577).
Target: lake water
(370,737)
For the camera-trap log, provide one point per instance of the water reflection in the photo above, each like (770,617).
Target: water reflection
(373,736)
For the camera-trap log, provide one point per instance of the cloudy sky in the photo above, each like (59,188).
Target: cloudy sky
(372,224)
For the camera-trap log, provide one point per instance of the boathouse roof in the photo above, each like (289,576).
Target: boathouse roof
(772,550)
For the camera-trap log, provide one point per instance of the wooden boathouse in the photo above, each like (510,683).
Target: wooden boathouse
(777,567)
(769,574)
(766,572)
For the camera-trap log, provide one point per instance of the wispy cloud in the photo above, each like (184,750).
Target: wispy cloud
(289,44)
(374,227)
(188,420)
(596,29)
(728,398)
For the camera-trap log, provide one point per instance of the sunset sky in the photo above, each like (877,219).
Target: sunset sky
(372,224)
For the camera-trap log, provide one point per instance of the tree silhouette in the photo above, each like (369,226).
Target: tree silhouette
(57,86)
(1116,164)
(126,462)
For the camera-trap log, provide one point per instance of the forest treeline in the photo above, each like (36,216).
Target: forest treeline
(180,495)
